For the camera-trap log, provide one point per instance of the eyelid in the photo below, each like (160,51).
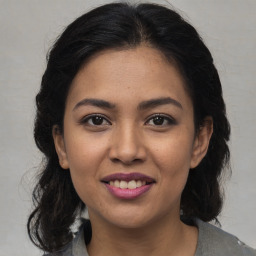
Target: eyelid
(171,120)
(88,117)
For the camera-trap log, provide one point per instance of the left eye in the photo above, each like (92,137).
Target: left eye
(160,120)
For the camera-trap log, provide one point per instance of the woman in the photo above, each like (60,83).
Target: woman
(132,123)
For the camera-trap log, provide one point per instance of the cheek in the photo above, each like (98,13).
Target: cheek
(85,161)
(174,167)
(172,157)
(85,154)
(174,151)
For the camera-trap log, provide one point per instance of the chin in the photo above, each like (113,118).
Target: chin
(125,218)
(131,223)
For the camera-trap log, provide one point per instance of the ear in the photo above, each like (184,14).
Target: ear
(201,142)
(60,147)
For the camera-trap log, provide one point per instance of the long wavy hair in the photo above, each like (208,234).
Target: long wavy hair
(123,25)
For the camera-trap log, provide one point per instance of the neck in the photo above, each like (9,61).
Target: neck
(168,236)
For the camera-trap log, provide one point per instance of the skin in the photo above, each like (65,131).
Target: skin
(129,139)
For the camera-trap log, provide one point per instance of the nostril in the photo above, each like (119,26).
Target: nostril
(126,161)
(126,151)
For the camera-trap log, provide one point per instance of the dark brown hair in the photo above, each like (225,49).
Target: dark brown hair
(113,26)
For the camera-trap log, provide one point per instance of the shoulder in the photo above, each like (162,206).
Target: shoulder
(66,251)
(213,241)
(77,246)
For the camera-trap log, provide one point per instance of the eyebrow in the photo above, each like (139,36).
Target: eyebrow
(142,106)
(94,102)
(158,102)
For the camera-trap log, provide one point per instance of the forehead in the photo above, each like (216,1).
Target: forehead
(137,73)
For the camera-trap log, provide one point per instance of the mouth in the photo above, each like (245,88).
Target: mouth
(128,180)
(132,184)
(128,185)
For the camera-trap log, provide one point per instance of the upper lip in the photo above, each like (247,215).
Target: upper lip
(128,177)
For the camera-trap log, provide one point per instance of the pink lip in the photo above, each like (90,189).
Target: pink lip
(128,193)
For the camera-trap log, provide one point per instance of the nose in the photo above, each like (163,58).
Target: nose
(127,146)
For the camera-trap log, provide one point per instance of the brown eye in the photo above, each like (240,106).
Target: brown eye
(95,120)
(160,120)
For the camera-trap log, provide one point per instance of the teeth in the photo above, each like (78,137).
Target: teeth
(116,183)
(123,184)
(130,185)
(138,183)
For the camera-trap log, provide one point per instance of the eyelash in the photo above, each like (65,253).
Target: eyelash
(170,120)
(86,119)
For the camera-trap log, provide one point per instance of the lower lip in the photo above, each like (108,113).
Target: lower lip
(128,193)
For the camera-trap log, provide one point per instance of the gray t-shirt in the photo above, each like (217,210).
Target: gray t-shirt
(212,241)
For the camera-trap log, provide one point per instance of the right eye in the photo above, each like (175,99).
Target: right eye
(95,120)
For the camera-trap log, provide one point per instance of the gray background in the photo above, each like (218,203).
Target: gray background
(28,28)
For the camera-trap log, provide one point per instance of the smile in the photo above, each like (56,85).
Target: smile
(128,185)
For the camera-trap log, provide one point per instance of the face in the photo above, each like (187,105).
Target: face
(129,138)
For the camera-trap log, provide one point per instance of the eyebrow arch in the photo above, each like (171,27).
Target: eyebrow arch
(94,102)
(157,102)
